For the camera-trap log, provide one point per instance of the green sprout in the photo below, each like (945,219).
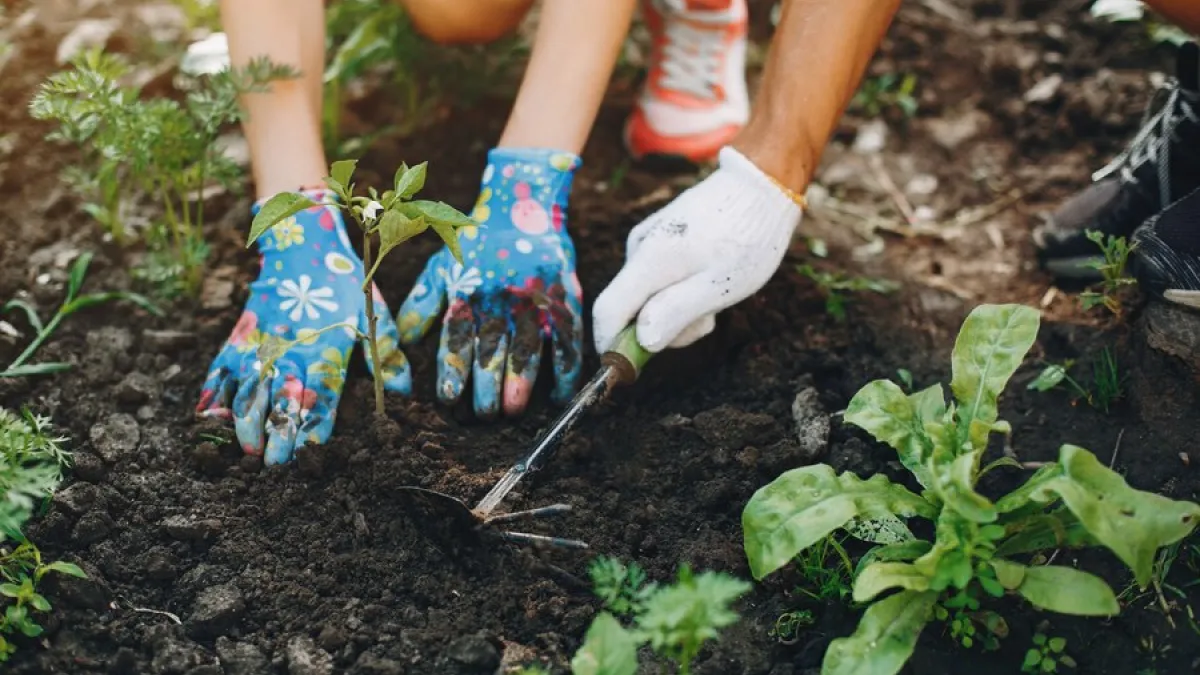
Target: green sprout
(834,286)
(878,94)
(1046,655)
(391,218)
(622,588)
(1108,382)
(1112,268)
(71,304)
(789,624)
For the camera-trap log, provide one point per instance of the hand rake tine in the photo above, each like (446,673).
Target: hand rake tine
(541,540)
(540,512)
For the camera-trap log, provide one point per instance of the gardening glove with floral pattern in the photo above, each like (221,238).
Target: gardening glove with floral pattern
(715,245)
(516,288)
(310,279)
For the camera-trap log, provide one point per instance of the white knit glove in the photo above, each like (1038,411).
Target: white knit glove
(712,247)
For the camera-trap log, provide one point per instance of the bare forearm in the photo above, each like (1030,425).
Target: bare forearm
(816,61)
(573,57)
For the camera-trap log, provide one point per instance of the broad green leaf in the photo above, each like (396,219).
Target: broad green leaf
(805,505)
(437,212)
(1068,591)
(395,228)
(450,236)
(276,209)
(1009,574)
(878,527)
(1045,531)
(990,347)
(608,649)
(1131,523)
(883,576)
(39,603)
(1034,486)
(953,475)
(341,172)
(885,637)
(882,409)
(929,403)
(902,552)
(411,180)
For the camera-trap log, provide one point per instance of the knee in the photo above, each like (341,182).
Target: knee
(466,21)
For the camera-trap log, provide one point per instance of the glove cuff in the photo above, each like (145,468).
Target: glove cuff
(777,212)
(526,188)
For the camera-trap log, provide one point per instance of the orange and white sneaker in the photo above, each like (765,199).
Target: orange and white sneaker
(694,100)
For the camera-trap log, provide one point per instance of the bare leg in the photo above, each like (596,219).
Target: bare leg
(284,125)
(1185,13)
(573,57)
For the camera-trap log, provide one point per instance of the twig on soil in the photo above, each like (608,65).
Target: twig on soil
(1116,448)
(128,605)
(889,186)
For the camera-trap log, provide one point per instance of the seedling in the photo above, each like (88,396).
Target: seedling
(825,582)
(391,218)
(1075,502)
(1046,655)
(621,588)
(789,624)
(906,378)
(152,150)
(1108,383)
(834,286)
(675,620)
(31,463)
(968,624)
(878,94)
(1112,269)
(71,304)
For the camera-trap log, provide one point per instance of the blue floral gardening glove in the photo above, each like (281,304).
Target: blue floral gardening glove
(516,288)
(310,279)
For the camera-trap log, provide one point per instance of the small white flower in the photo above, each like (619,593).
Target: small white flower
(302,299)
(460,282)
(206,57)
(371,211)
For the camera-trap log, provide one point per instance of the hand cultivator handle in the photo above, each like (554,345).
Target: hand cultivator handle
(627,356)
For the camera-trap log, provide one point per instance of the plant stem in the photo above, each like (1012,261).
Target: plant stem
(368,292)
(37,341)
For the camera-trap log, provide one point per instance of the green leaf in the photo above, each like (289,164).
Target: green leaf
(954,474)
(1050,377)
(1032,658)
(1057,644)
(395,228)
(1131,523)
(929,403)
(608,649)
(410,180)
(93,299)
(1062,589)
(28,309)
(35,369)
(39,603)
(878,526)
(880,577)
(903,552)
(990,347)
(450,236)
(62,567)
(437,212)
(885,637)
(340,172)
(804,505)
(277,208)
(78,272)
(882,409)
(1010,575)
(10,590)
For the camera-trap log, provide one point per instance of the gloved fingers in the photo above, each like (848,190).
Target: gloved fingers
(491,353)
(318,408)
(287,400)
(250,406)
(396,371)
(216,395)
(672,310)
(564,319)
(425,301)
(524,357)
(696,330)
(455,351)
(644,275)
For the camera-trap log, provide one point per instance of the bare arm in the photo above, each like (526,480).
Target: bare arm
(816,61)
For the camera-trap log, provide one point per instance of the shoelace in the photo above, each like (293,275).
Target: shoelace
(690,60)
(1153,141)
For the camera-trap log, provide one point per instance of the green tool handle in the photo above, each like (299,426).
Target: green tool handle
(627,356)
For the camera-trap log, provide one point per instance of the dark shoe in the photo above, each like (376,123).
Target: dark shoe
(1166,253)
(1160,164)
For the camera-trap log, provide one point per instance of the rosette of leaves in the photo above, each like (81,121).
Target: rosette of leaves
(980,544)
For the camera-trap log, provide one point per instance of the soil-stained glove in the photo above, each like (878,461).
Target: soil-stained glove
(517,287)
(311,279)
(712,247)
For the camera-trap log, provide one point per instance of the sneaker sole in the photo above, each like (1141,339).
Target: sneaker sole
(1182,297)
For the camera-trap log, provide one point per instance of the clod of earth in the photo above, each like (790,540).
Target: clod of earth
(217,611)
(116,437)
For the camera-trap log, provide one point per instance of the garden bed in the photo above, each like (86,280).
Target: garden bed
(321,562)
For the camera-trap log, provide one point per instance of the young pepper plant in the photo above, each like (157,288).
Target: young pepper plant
(391,218)
(981,547)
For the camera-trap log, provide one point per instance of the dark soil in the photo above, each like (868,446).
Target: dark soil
(320,566)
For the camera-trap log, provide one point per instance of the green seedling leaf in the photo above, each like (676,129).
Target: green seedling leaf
(990,347)
(78,272)
(1050,377)
(882,409)
(805,505)
(885,637)
(1131,523)
(902,552)
(954,475)
(93,299)
(608,649)
(39,603)
(61,567)
(277,208)
(929,403)
(437,212)
(1059,589)
(879,577)
(35,369)
(340,172)
(394,229)
(411,180)
(30,313)
(450,236)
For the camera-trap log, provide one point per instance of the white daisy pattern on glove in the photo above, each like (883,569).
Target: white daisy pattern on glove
(302,299)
